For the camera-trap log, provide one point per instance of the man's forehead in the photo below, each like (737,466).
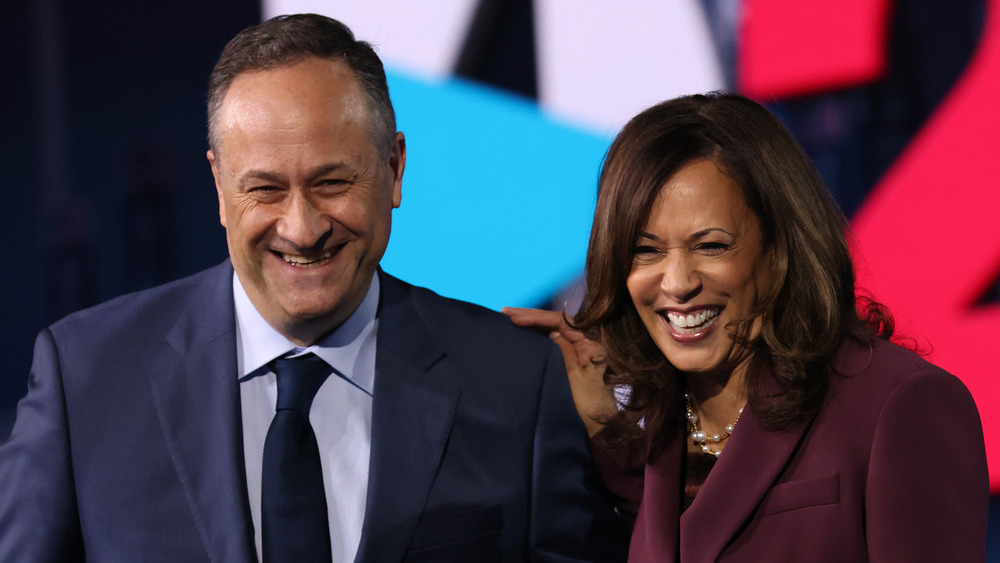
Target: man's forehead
(311,93)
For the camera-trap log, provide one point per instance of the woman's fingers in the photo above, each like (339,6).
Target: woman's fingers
(536,318)
(594,401)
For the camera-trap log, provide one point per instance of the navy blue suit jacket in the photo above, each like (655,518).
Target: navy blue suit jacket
(128,445)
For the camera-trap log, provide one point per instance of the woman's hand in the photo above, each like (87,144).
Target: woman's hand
(595,402)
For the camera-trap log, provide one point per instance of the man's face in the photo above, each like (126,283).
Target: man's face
(305,196)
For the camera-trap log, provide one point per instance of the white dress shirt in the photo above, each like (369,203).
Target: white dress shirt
(341,413)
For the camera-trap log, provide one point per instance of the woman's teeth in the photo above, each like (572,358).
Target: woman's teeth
(692,321)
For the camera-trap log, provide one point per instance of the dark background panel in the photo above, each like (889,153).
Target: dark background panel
(103,150)
(21,276)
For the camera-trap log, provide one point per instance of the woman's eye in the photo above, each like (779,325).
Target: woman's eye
(713,247)
(645,251)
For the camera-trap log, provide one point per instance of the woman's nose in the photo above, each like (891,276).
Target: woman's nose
(680,279)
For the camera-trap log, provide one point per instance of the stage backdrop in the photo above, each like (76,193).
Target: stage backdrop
(508,108)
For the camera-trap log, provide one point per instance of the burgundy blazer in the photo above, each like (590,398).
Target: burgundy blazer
(892,468)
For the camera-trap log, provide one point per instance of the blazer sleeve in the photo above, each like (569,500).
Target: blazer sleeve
(572,515)
(38,514)
(927,495)
(624,474)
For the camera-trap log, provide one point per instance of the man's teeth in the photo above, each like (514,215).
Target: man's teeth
(303,260)
(688,321)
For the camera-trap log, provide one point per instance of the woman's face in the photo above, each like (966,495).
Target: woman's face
(696,267)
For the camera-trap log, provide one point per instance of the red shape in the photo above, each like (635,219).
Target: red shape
(927,240)
(795,47)
(928,237)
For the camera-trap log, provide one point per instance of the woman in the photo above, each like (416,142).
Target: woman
(765,415)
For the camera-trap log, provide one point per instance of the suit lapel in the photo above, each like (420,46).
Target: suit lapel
(196,398)
(414,403)
(751,463)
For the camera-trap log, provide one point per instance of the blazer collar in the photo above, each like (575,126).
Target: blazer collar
(416,395)
(750,465)
(196,398)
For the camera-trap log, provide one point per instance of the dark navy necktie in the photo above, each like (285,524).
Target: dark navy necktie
(293,504)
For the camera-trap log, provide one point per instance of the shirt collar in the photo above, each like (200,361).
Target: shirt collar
(349,349)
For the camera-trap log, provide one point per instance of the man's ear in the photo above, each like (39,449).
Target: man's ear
(218,185)
(397,161)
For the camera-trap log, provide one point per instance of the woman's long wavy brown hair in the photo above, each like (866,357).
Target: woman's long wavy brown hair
(808,309)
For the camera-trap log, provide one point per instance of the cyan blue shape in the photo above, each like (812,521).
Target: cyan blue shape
(497,197)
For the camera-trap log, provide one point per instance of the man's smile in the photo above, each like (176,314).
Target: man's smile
(309,261)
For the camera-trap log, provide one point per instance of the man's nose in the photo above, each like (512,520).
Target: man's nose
(680,279)
(302,223)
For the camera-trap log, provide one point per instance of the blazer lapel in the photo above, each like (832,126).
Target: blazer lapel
(655,535)
(751,463)
(413,407)
(196,398)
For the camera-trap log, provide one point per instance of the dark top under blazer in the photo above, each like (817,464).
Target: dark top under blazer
(892,468)
(128,445)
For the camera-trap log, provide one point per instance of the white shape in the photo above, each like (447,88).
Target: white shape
(600,63)
(424,38)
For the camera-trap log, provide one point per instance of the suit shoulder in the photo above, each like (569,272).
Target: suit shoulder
(878,368)
(457,321)
(143,310)
(470,316)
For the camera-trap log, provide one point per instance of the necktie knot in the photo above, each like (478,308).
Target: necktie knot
(299,379)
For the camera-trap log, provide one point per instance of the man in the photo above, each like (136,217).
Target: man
(442,434)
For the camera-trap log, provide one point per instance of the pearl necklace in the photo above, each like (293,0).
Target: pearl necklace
(700,438)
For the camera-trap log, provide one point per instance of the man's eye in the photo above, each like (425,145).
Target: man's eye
(265,194)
